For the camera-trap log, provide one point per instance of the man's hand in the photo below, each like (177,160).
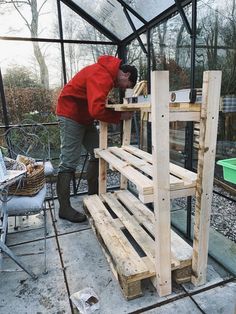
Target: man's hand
(126,115)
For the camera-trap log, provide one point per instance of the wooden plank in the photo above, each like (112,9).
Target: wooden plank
(187,176)
(102,178)
(182,192)
(140,88)
(187,106)
(205,172)
(143,183)
(145,167)
(181,252)
(142,238)
(125,141)
(160,151)
(126,258)
(178,111)
(184,116)
(129,106)
(138,152)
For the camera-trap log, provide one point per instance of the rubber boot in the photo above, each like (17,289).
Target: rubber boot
(92,176)
(66,211)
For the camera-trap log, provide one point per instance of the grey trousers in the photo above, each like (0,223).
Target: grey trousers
(73,136)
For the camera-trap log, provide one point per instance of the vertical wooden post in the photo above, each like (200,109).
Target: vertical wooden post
(205,173)
(102,180)
(125,141)
(161,181)
(143,130)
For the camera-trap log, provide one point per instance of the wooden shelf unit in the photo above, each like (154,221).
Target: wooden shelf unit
(123,222)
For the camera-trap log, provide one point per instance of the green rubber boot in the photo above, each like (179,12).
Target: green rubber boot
(66,211)
(92,176)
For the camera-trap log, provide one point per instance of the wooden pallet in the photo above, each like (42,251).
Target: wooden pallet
(136,165)
(125,229)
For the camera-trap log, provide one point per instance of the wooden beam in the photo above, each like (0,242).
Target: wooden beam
(160,153)
(102,186)
(205,173)
(127,124)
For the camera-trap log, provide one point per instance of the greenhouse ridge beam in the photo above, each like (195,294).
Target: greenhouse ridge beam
(126,6)
(183,16)
(91,21)
(135,31)
(157,20)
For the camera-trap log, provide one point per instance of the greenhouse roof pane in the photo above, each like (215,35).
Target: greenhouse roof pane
(150,8)
(111,15)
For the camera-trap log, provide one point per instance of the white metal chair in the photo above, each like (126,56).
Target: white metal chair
(19,141)
(42,155)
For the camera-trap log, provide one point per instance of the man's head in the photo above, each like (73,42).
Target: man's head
(127,76)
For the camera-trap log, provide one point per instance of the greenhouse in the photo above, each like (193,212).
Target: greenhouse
(118,156)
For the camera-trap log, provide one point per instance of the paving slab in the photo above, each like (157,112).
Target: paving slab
(29,228)
(86,266)
(220,300)
(19,293)
(213,277)
(183,306)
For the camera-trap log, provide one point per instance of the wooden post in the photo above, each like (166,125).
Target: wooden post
(125,141)
(161,181)
(205,173)
(102,186)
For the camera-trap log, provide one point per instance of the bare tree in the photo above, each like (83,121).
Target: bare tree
(33,26)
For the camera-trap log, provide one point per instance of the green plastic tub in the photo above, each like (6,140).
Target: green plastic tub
(229,169)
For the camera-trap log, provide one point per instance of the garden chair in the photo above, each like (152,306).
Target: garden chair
(42,156)
(31,199)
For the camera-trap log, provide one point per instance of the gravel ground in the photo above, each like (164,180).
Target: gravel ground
(223,215)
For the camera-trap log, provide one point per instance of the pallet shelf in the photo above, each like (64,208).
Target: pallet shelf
(136,165)
(121,219)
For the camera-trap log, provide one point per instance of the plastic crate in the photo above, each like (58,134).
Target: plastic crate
(229,169)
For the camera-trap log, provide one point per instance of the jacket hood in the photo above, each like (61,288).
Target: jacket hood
(111,64)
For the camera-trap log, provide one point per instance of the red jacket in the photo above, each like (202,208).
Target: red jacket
(83,98)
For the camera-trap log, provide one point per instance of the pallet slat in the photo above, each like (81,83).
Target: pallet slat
(126,259)
(181,251)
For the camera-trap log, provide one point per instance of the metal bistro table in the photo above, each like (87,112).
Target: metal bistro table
(11,177)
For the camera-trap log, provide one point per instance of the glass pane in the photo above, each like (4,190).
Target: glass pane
(75,27)
(216,50)
(30,86)
(79,56)
(36,19)
(171,50)
(150,8)
(111,15)
(138,58)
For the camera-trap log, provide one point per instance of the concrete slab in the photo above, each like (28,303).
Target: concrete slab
(86,266)
(19,293)
(183,306)
(213,277)
(218,300)
(64,226)
(28,228)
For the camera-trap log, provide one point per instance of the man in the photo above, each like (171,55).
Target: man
(81,101)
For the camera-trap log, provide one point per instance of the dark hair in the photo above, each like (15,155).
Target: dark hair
(132,70)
